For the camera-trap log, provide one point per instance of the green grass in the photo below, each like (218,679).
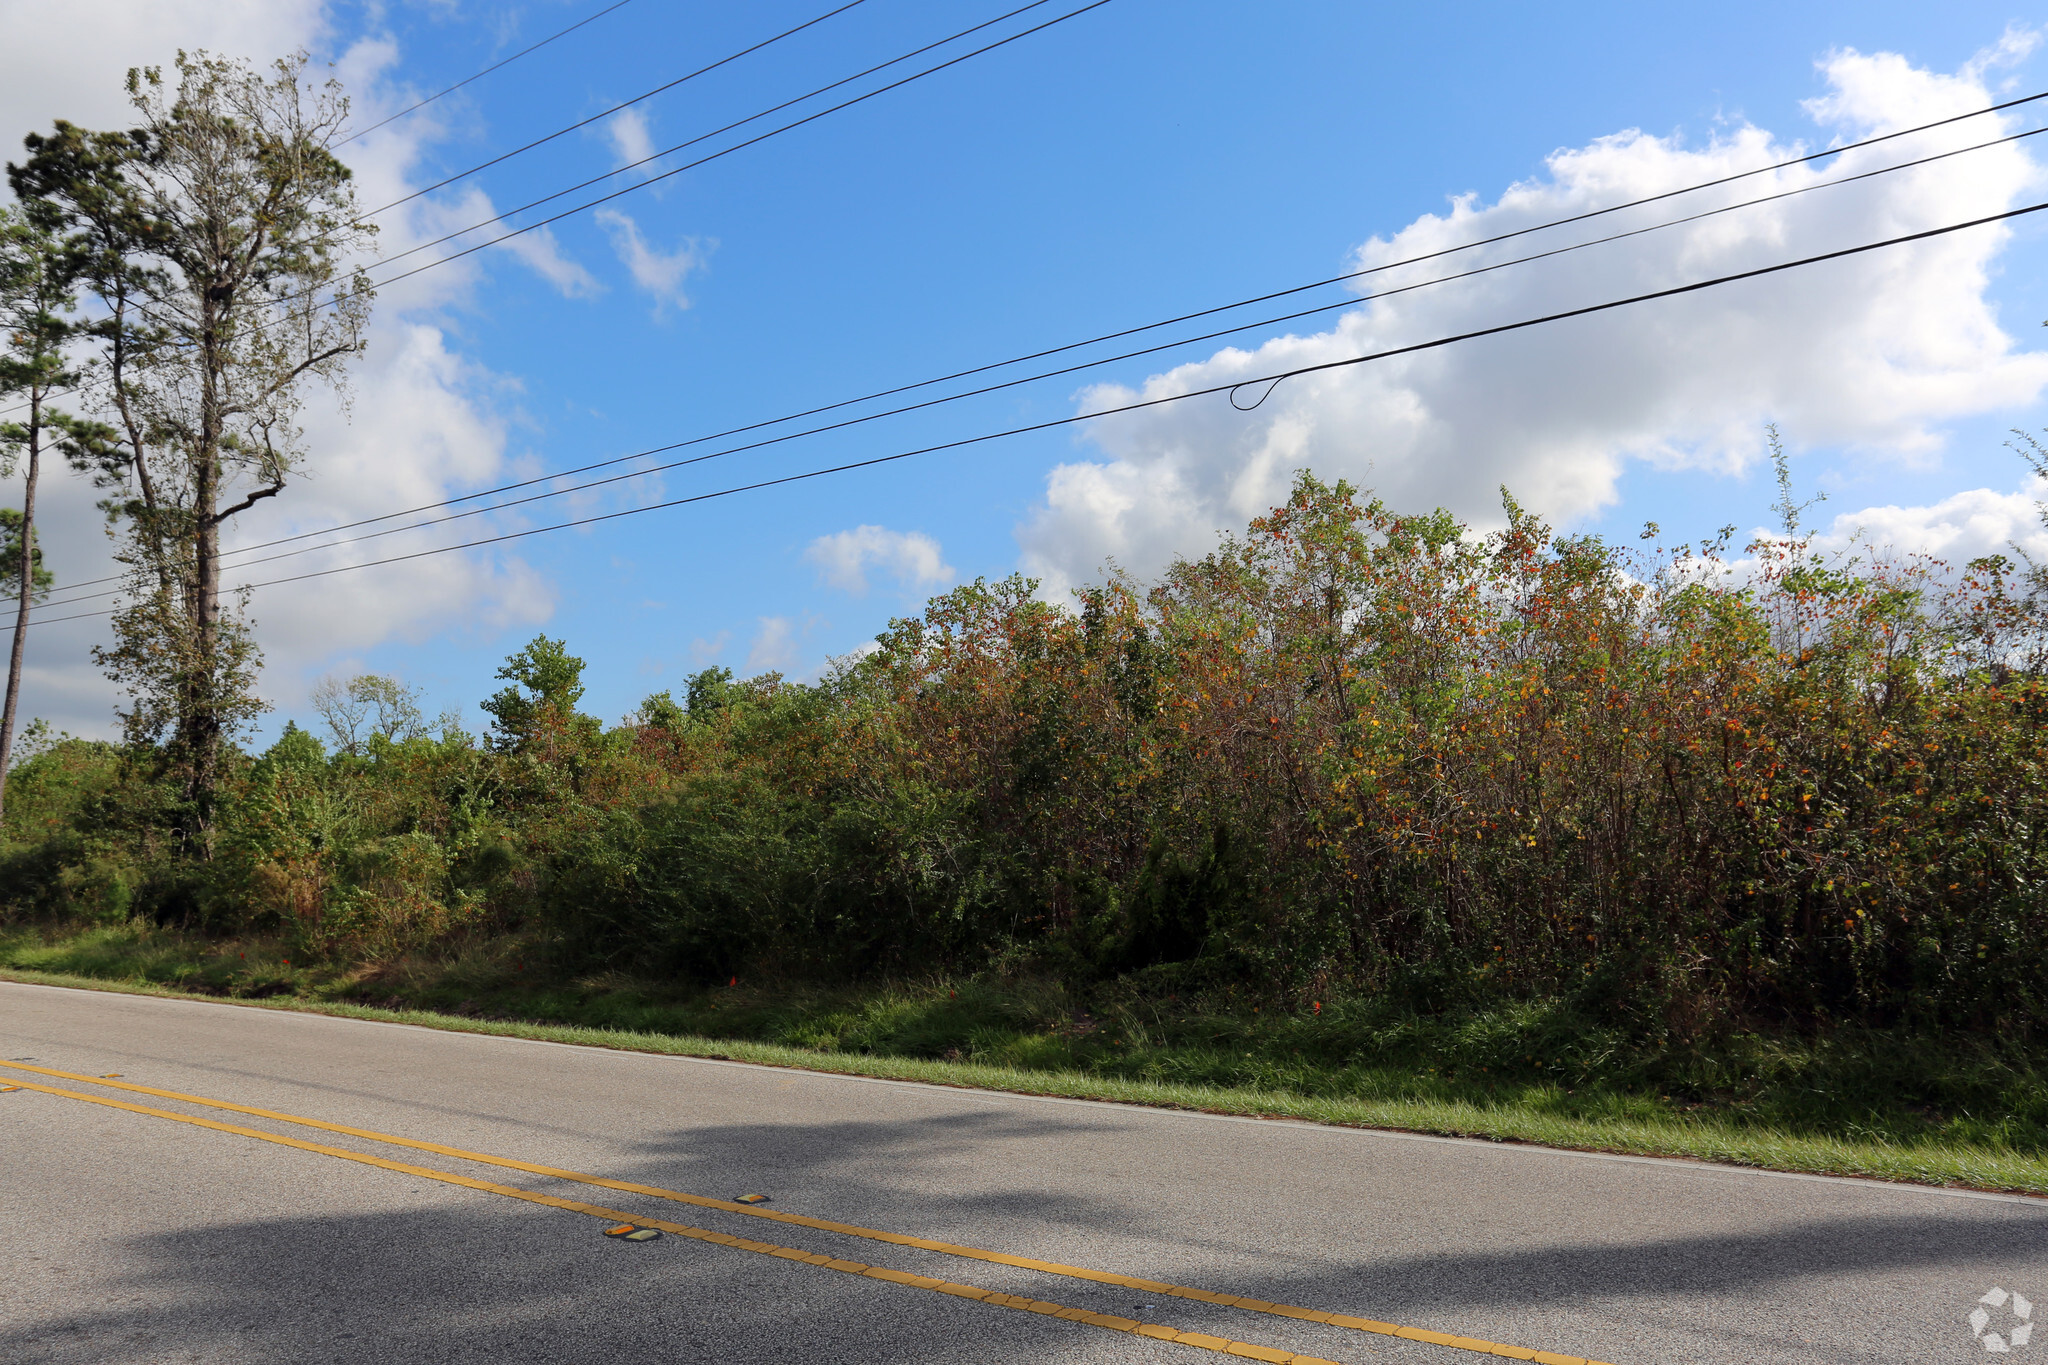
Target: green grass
(1954,1112)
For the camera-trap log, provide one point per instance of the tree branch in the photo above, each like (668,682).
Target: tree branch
(245,504)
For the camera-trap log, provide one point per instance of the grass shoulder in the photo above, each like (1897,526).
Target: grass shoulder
(1955,1112)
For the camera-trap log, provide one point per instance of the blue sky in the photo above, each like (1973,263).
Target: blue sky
(1142,160)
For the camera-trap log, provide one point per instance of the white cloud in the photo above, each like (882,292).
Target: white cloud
(2014,46)
(66,61)
(1958,529)
(387,166)
(631,138)
(775,647)
(538,251)
(912,558)
(660,273)
(429,431)
(1873,353)
(1943,537)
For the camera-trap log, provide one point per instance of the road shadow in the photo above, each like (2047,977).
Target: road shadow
(834,1165)
(501,1283)
(1864,1276)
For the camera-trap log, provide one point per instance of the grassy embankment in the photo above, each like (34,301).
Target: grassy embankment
(1966,1114)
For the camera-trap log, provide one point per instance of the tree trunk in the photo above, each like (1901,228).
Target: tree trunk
(202,720)
(8,713)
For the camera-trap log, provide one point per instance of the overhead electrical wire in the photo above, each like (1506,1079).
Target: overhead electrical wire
(1575,218)
(1581,217)
(562,33)
(978,392)
(501,216)
(654,179)
(641,98)
(1269,380)
(722,152)
(1313,284)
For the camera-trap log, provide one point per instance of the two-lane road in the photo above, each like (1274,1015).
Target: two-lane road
(962,1221)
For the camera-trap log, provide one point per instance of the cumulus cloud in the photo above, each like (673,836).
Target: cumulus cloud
(1873,353)
(912,558)
(66,61)
(660,273)
(431,429)
(1958,529)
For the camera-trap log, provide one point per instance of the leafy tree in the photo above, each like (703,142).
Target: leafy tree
(216,237)
(709,690)
(660,712)
(295,748)
(368,708)
(553,683)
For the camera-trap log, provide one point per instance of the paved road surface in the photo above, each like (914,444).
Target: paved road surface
(128,1237)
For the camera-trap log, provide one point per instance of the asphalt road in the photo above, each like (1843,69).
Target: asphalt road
(131,1237)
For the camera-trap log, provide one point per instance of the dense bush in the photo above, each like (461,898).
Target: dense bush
(1352,752)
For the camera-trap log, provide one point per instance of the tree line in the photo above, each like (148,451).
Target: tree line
(1351,750)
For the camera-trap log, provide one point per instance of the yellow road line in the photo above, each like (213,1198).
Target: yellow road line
(1344,1320)
(1108,1321)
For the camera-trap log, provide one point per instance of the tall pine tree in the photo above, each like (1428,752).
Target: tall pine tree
(218,237)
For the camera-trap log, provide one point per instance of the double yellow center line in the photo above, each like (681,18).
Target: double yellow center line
(1104,1320)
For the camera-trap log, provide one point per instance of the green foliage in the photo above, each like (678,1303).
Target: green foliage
(552,680)
(1947,1110)
(660,712)
(694,887)
(10,555)
(1640,821)
(295,749)
(709,690)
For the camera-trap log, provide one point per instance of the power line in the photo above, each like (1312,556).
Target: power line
(648,95)
(1275,294)
(1576,218)
(620,170)
(978,392)
(1269,380)
(444,260)
(714,156)
(501,216)
(1072,369)
(617,4)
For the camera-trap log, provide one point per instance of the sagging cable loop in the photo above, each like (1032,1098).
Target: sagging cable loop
(1274,384)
